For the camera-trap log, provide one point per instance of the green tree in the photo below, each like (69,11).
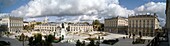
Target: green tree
(38,40)
(3,27)
(96,22)
(78,43)
(102,27)
(30,41)
(32,26)
(49,39)
(37,23)
(98,43)
(26,27)
(83,44)
(96,25)
(91,43)
(38,37)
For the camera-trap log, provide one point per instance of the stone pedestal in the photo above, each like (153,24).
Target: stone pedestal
(63,32)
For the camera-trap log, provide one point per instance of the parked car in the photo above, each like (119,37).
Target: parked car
(4,43)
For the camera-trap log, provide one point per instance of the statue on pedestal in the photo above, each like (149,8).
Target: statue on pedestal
(62,25)
(63,30)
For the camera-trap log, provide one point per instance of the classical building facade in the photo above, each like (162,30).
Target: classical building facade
(80,27)
(14,23)
(48,27)
(146,24)
(116,25)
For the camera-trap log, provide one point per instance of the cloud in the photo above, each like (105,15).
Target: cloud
(73,10)
(62,7)
(85,10)
(153,7)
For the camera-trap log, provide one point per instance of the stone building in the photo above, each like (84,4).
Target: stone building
(13,23)
(116,25)
(80,27)
(48,27)
(144,23)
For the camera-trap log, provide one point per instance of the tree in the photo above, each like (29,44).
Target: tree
(91,43)
(98,43)
(31,26)
(102,27)
(3,28)
(96,25)
(26,27)
(37,23)
(49,39)
(30,41)
(78,43)
(96,22)
(83,44)
(38,39)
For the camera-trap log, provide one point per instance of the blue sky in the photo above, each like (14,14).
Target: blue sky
(131,4)
(8,5)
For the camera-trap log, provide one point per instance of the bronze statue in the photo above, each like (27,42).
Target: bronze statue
(62,25)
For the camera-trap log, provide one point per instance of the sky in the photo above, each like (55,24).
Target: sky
(81,10)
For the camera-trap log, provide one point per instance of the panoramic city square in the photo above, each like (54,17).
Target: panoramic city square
(84,22)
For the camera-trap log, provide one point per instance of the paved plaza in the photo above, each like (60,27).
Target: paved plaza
(70,39)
